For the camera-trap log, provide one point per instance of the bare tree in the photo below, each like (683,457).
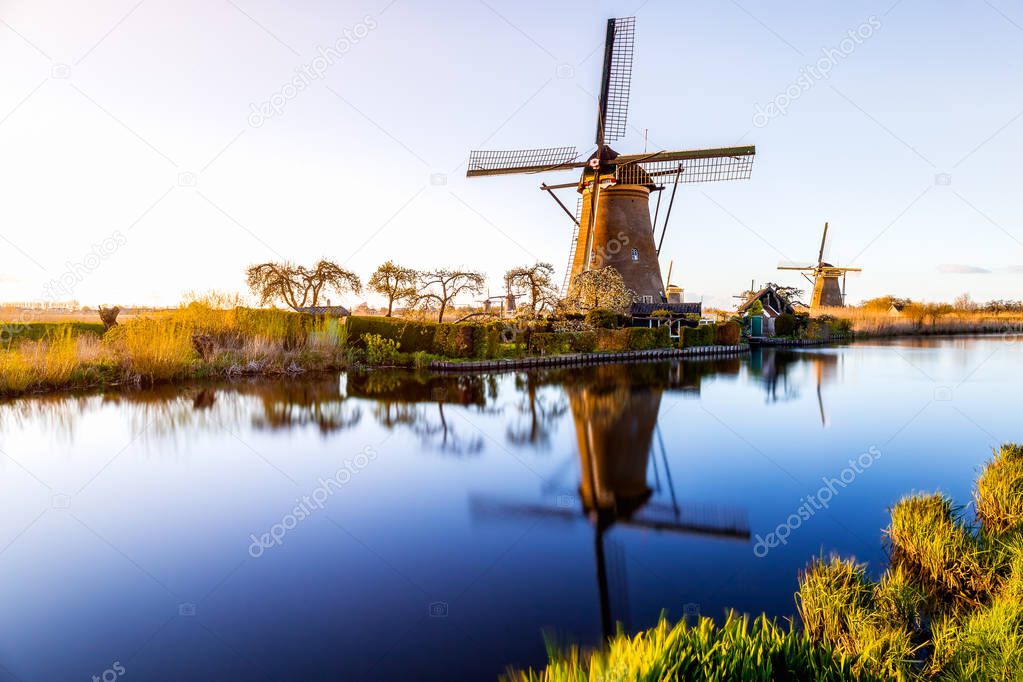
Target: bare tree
(538,281)
(108,316)
(298,286)
(393,282)
(442,286)
(603,288)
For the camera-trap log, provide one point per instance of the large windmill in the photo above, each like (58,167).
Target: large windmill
(613,224)
(824,277)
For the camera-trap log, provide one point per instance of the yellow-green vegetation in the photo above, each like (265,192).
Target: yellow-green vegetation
(736,650)
(948,607)
(197,340)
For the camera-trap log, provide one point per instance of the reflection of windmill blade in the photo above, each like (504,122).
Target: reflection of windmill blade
(667,472)
(696,519)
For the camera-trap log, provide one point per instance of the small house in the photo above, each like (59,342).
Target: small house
(774,303)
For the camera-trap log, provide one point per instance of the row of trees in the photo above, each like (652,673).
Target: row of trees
(298,287)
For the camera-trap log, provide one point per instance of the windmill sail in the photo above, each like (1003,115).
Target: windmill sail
(506,162)
(617,80)
(686,166)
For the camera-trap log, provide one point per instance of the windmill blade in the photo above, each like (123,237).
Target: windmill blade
(506,162)
(617,79)
(790,265)
(824,244)
(686,166)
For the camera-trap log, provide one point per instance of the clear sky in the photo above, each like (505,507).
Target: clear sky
(135,165)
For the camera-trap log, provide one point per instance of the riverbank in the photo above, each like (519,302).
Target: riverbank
(569,359)
(194,342)
(948,606)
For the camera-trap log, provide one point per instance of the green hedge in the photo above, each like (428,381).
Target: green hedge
(412,336)
(727,334)
(606,319)
(553,343)
(642,338)
(612,340)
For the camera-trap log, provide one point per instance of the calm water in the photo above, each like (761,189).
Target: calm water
(366,526)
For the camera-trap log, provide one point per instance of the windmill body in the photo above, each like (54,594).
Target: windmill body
(613,224)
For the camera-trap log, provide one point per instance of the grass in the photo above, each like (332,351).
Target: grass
(998,496)
(736,650)
(925,319)
(194,341)
(929,538)
(948,607)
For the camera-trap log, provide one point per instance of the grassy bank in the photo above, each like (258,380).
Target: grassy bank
(404,342)
(948,607)
(921,319)
(194,341)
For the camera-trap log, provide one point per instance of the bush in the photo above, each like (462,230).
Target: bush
(549,343)
(411,335)
(612,340)
(786,324)
(453,340)
(728,334)
(381,351)
(690,337)
(486,341)
(606,319)
(643,338)
(708,334)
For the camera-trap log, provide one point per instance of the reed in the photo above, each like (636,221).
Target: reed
(199,339)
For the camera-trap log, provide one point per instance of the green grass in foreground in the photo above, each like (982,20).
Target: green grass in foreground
(948,607)
(736,650)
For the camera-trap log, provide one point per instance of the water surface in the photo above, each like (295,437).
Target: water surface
(364,526)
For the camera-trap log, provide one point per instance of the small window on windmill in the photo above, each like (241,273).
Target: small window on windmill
(635,255)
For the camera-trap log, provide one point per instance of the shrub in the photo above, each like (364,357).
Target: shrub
(381,351)
(691,337)
(708,334)
(612,340)
(999,491)
(786,324)
(486,341)
(606,319)
(411,335)
(453,340)
(643,338)
(549,343)
(728,334)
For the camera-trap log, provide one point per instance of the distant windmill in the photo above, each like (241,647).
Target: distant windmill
(613,224)
(824,277)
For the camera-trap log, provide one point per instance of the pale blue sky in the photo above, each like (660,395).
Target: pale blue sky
(111,110)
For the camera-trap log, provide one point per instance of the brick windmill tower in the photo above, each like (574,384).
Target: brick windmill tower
(613,224)
(827,292)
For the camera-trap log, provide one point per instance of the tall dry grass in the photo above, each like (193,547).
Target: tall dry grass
(918,318)
(203,338)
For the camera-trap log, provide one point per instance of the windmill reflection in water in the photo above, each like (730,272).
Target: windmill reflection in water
(625,478)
